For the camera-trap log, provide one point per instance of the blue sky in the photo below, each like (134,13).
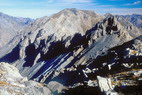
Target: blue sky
(39,8)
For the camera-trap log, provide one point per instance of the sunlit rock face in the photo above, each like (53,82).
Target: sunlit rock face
(12,83)
(106,86)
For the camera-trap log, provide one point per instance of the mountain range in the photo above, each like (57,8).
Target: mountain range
(74,51)
(135,19)
(10,27)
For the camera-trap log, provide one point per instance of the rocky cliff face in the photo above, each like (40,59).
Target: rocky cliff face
(71,47)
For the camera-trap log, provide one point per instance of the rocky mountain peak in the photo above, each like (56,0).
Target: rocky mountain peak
(110,26)
(71,10)
(108,14)
(66,12)
(74,12)
(62,26)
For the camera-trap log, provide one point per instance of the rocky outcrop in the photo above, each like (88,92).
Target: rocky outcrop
(12,83)
(106,86)
(56,87)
